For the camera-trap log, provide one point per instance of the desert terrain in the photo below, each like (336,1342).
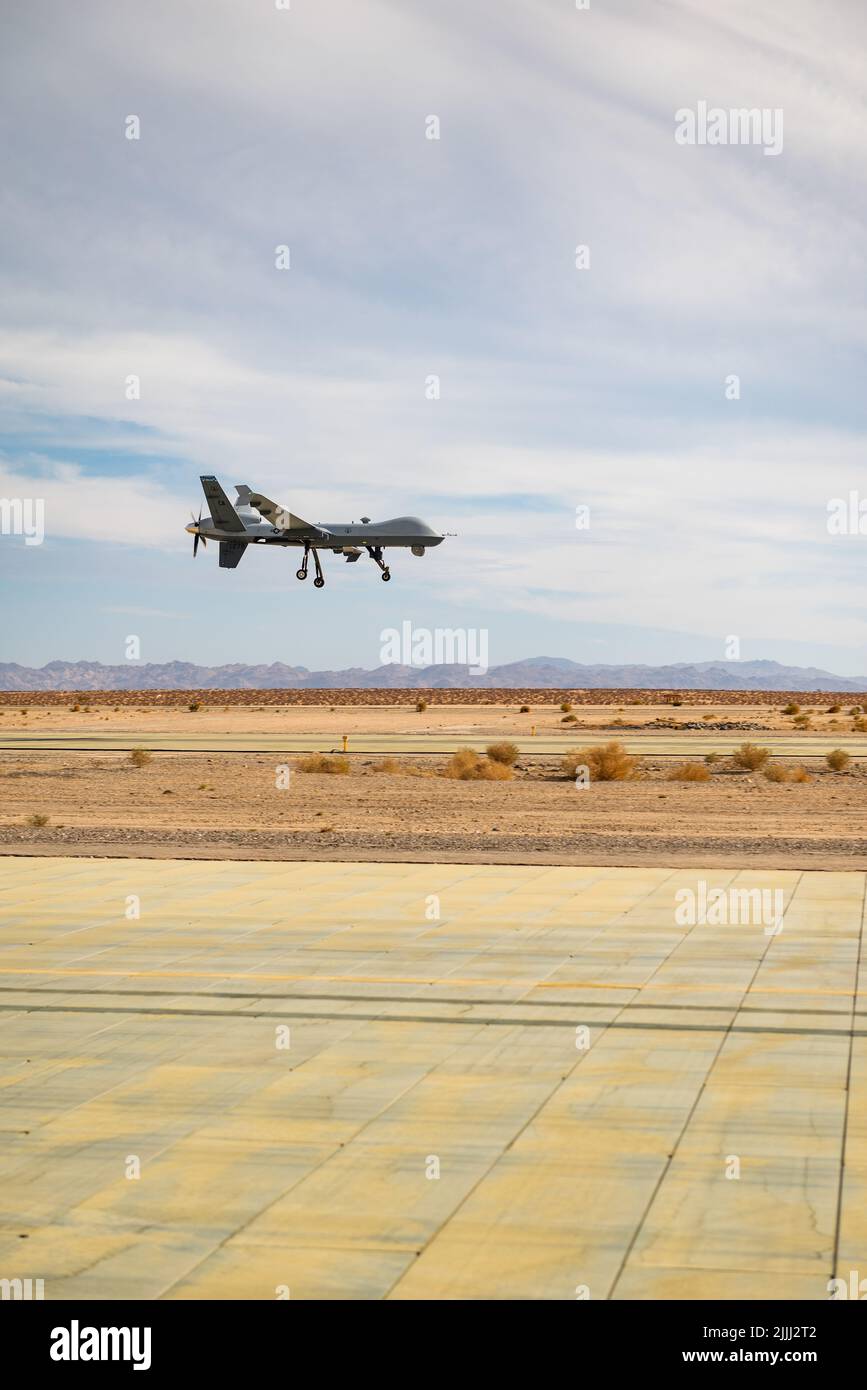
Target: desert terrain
(397,804)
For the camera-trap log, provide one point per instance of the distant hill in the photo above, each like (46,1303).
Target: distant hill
(538,673)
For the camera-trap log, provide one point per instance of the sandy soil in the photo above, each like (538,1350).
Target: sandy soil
(484,721)
(230,806)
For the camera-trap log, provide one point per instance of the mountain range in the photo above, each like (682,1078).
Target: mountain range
(536,673)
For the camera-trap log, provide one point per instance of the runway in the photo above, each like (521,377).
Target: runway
(659,744)
(333,1080)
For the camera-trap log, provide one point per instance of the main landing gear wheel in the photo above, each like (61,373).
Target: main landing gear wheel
(300,574)
(386,575)
(319,581)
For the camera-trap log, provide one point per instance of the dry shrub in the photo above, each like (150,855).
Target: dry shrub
(775,773)
(393,768)
(689,772)
(800,774)
(525,709)
(834,709)
(194,705)
(860,726)
(566,707)
(421,706)
(37,821)
(838,759)
(569,719)
(750,757)
(469,766)
(711,758)
(609,762)
(505,753)
(791,708)
(139,756)
(321,762)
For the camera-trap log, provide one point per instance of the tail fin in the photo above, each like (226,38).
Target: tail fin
(222,511)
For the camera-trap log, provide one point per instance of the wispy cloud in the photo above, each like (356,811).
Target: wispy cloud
(456,258)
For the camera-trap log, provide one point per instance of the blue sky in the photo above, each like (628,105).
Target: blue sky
(453,257)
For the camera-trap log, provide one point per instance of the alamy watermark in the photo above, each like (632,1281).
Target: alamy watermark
(856,1288)
(441,646)
(77,1343)
(714,125)
(21,1289)
(730,907)
(23,516)
(847,516)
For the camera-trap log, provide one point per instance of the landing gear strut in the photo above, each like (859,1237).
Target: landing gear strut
(319,581)
(375,553)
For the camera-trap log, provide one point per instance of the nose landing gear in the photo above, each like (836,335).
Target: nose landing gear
(375,553)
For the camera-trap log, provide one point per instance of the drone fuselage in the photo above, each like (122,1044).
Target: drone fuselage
(405,531)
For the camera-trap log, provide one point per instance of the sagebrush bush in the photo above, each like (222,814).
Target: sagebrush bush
(139,756)
(37,821)
(469,766)
(525,709)
(321,762)
(566,707)
(750,757)
(395,768)
(838,759)
(800,774)
(775,773)
(421,706)
(791,708)
(607,762)
(505,753)
(689,772)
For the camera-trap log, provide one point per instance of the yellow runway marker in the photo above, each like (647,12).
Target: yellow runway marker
(444,981)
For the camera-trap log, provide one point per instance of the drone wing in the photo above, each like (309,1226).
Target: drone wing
(278,515)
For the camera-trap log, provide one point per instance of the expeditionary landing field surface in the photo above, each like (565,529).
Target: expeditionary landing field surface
(235,1080)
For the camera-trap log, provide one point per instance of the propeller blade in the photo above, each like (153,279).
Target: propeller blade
(197,521)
